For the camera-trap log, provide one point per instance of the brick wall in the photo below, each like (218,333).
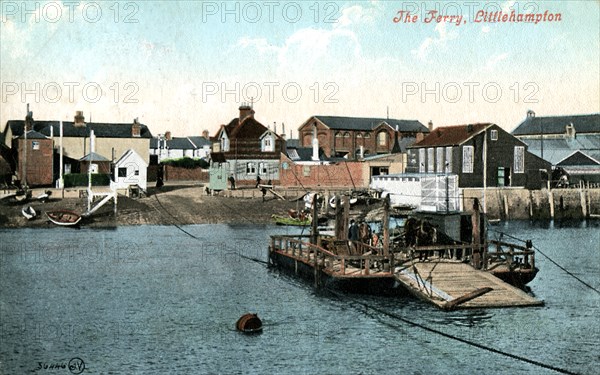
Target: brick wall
(172,173)
(345,174)
(39,161)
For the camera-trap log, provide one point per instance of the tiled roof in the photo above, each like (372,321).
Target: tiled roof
(32,134)
(93,157)
(370,123)
(451,135)
(101,130)
(557,124)
(200,141)
(180,143)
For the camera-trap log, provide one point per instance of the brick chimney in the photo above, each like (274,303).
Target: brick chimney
(28,120)
(246,111)
(79,119)
(168,136)
(136,128)
(205,134)
(430,126)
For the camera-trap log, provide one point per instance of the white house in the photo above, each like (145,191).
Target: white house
(130,170)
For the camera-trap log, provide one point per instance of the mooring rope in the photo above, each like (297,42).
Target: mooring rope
(452,337)
(551,260)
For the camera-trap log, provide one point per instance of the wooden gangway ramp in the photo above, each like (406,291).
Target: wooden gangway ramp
(455,285)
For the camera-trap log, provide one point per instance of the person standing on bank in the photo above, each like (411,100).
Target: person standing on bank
(257,180)
(232,182)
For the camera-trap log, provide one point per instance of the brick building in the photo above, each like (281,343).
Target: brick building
(34,160)
(354,137)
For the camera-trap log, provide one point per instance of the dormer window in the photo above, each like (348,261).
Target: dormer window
(224,142)
(268,143)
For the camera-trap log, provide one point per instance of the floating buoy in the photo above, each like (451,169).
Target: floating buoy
(249,323)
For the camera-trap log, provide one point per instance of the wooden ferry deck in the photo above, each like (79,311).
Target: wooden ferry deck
(449,285)
(446,283)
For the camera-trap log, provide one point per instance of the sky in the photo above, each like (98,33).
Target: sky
(186,66)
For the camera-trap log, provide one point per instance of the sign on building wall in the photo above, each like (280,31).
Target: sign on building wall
(440,193)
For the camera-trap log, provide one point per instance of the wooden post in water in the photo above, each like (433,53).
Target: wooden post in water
(314,234)
(475,219)
(583,203)
(346,217)
(338,218)
(386,226)
(551,203)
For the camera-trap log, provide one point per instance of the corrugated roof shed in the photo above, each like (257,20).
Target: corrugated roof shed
(534,125)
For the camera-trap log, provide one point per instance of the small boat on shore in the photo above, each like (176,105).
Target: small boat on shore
(64,217)
(29,213)
(44,196)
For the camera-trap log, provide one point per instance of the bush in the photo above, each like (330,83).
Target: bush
(187,163)
(81,179)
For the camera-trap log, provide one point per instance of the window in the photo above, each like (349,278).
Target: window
(421,160)
(382,138)
(35,145)
(358,135)
(137,173)
(439,159)
(494,135)
(519,161)
(262,168)
(448,159)
(250,168)
(268,144)
(430,160)
(338,134)
(346,135)
(366,135)
(122,172)
(467,162)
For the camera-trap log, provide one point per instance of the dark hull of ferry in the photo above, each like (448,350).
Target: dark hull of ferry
(372,285)
(517,278)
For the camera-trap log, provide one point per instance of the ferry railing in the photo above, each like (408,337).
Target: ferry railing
(511,254)
(360,260)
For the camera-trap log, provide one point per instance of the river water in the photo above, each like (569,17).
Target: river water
(157,300)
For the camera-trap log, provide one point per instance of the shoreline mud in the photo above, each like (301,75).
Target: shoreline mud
(171,205)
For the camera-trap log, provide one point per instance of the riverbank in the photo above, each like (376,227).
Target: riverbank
(171,205)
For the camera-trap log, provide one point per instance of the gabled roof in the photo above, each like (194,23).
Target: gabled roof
(32,134)
(304,154)
(93,157)
(452,135)
(534,125)
(101,130)
(578,158)
(127,154)
(370,123)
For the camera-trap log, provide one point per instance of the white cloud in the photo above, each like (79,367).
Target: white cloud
(429,43)
(356,14)
(494,60)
